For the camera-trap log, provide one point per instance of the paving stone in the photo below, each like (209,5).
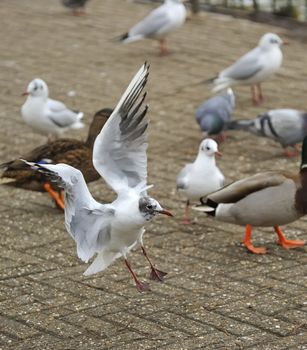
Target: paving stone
(216,294)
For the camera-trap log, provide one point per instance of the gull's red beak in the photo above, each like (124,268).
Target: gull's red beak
(25,93)
(286,43)
(165,212)
(219,154)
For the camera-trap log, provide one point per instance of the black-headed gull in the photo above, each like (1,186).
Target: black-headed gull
(201,177)
(214,114)
(45,115)
(158,24)
(254,67)
(119,155)
(286,126)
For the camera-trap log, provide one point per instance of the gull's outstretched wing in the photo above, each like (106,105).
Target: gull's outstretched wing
(119,153)
(86,220)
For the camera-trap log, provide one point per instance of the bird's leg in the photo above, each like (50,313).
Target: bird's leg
(155,274)
(249,245)
(297,148)
(288,153)
(140,286)
(54,195)
(80,11)
(286,243)
(255,98)
(186,219)
(163,48)
(260,95)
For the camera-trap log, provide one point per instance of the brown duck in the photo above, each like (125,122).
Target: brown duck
(69,151)
(271,198)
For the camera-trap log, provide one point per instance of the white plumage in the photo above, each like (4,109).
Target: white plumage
(45,115)
(119,155)
(201,177)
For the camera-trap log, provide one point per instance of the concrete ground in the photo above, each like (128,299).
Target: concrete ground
(216,294)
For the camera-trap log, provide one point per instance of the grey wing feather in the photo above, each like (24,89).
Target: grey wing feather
(119,153)
(86,220)
(284,125)
(151,24)
(60,115)
(246,67)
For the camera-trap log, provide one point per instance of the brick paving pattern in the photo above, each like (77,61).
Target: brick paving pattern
(216,295)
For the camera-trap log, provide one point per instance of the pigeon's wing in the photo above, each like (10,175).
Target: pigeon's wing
(86,220)
(60,115)
(151,24)
(245,67)
(119,153)
(181,178)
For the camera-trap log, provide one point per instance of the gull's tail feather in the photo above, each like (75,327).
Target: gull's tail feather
(78,124)
(101,262)
(210,81)
(121,37)
(221,83)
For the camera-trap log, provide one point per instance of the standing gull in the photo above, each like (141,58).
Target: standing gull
(202,177)
(158,24)
(119,155)
(69,151)
(45,115)
(254,67)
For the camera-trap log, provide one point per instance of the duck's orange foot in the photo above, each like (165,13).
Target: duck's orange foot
(55,196)
(186,222)
(255,250)
(248,243)
(288,244)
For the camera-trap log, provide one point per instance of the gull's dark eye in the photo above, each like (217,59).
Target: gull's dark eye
(35,88)
(274,41)
(149,206)
(207,148)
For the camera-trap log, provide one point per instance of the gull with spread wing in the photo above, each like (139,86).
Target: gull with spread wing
(119,156)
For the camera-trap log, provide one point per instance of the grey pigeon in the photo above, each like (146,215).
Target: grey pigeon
(214,114)
(286,126)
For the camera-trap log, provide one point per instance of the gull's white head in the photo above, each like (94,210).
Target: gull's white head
(149,208)
(37,88)
(270,40)
(209,148)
